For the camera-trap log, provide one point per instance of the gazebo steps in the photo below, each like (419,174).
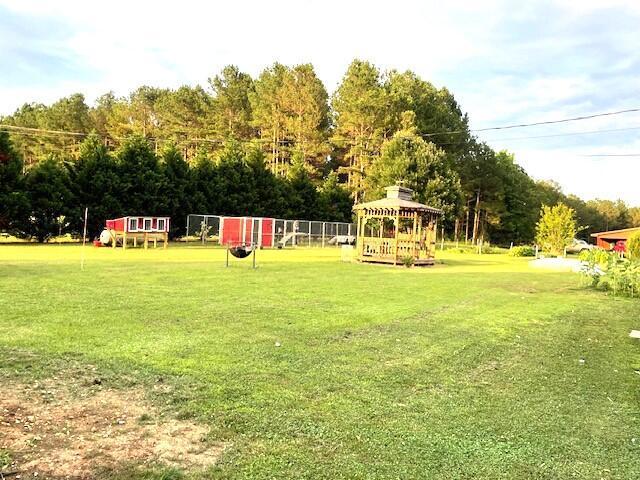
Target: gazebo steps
(389,261)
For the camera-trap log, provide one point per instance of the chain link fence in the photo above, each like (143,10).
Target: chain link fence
(286,233)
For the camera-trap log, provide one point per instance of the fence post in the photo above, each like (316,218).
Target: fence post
(323,232)
(310,222)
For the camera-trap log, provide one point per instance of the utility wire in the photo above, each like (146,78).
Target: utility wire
(612,155)
(533,124)
(286,142)
(588,132)
(548,122)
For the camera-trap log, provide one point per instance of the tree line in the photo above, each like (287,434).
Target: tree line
(50,197)
(376,129)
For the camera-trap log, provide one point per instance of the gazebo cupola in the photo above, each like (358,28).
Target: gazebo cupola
(395,227)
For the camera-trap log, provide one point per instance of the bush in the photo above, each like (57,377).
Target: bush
(522,251)
(608,271)
(595,262)
(486,249)
(633,246)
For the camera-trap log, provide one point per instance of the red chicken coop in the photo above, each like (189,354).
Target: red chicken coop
(119,231)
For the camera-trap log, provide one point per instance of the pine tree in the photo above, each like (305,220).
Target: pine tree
(306,115)
(182,118)
(231,112)
(360,106)
(269,116)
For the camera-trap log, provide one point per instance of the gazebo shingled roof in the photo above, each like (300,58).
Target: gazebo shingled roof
(397,203)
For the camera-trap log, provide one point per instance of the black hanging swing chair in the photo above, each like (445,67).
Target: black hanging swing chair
(241,251)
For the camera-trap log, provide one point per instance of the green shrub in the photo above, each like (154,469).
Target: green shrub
(522,251)
(608,271)
(633,246)
(407,261)
(5,459)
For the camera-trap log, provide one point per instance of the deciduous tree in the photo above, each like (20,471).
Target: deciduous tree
(556,228)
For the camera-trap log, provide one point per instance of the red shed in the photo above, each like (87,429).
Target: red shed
(247,231)
(136,228)
(608,240)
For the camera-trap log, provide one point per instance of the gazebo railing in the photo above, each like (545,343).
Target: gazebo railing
(385,248)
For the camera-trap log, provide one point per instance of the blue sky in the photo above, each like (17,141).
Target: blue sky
(506,62)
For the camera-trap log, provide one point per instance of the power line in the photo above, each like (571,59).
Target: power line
(612,155)
(588,132)
(36,131)
(31,131)
(532,124)
(42,130)
(547,122)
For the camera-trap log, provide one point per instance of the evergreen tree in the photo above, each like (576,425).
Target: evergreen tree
(436,110)
(269,117)
(177,193)
(142,182)
(334,201)
(50,198)
(303,196)
(236,183)
(231,114)
(96,185)
(183,117)
(306,115)
(360,106)
(419,165)
(269,189)
(14,203)
(206,197)
(482,189)
(517,209)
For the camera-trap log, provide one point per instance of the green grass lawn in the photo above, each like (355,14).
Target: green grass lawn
(469,369)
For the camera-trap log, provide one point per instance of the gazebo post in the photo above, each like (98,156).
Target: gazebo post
(395,248)
(420,234)
(416,252)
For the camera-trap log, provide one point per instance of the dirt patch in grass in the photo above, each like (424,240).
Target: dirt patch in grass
(52,433)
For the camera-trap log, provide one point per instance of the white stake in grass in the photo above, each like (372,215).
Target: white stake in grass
(84,238)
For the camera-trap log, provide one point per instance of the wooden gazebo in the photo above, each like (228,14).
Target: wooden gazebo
(394,228)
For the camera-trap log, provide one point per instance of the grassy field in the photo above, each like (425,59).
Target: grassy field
(470,369)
